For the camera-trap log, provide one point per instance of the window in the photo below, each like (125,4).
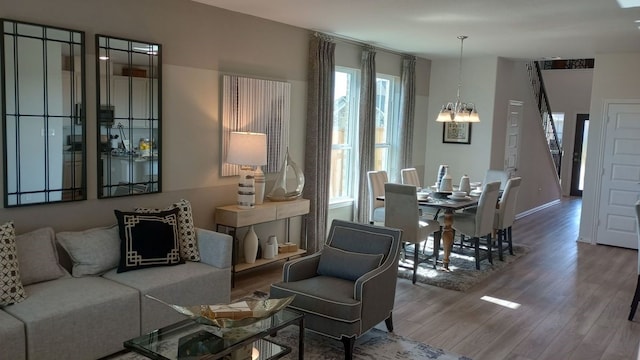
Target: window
(344,149)
(343,138)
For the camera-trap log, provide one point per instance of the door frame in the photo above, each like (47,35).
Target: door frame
(578,140)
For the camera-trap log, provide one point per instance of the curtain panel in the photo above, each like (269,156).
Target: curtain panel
(321,65)
(407,110)
(367,127)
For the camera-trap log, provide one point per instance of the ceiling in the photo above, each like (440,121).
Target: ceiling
(517,29)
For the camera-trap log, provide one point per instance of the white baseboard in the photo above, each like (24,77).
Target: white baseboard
(536,209)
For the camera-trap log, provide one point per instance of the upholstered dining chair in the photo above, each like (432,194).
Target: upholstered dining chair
(409,176)
(636,296)
(402,213)
(506,215)
(496,175)
(348,287)
(376,181)
(479,224)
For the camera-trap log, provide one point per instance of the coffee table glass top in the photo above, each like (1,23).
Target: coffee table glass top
(191,340)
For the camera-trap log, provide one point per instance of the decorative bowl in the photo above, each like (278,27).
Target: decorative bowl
(241,313)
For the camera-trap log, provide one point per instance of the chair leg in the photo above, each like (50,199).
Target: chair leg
(476,242)
(348,342)
(636,299)
(510,240)
(389,322)
(501,234)
(490,248)
(437,237)
(415,262)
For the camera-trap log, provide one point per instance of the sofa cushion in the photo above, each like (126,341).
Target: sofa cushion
(191,283)
(148,240)
(77,318)
(188,240)
(92,252)
(38,256)
(11,289)
(13,337)
(346,264)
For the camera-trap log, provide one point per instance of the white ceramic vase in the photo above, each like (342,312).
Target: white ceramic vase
(250,246)
(445,184)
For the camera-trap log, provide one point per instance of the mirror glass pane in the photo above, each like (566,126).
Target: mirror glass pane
(129,74)
(43,115)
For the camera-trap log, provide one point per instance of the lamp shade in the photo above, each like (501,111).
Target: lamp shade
(247,148)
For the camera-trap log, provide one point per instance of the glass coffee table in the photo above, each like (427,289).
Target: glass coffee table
(190,340)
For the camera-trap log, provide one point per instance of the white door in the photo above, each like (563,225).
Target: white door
(512,144)
(620,186)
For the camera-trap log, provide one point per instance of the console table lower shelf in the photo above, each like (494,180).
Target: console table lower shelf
(240,267)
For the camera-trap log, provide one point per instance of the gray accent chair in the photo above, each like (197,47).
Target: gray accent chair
(348,287)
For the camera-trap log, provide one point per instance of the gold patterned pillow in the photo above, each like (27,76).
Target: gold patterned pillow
(11,289)
(188,241)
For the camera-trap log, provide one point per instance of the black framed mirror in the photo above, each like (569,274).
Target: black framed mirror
(43,113)
(129,111)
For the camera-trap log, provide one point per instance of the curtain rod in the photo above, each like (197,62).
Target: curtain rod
(348,40)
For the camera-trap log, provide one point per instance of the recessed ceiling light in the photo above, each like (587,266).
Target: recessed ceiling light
(628,3)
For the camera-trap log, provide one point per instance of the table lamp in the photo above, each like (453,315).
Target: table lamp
(248,149)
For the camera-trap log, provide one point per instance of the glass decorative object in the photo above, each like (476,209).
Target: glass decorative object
(289,183)
(241,313)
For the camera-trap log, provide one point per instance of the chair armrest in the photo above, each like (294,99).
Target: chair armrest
(376,291)
(215,248)
(301,268)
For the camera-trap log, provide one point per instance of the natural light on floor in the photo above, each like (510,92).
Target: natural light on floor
(505,303)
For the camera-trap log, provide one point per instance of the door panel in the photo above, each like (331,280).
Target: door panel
(512,143)
(579,154)
(620,187)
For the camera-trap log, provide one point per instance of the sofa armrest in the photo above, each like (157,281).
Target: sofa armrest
(215,248)
(300,269)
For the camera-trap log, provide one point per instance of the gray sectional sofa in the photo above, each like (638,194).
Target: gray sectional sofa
(84,310)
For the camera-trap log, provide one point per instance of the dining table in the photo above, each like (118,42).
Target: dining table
(448,206)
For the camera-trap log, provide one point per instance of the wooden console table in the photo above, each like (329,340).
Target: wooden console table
(231,216)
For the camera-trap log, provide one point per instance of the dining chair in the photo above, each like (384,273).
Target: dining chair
(376,181)
(409,176)
(402,213)
(479,224)
(496,175)
(636,296)
(506,215)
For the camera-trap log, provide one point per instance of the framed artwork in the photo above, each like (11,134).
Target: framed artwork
(456,133)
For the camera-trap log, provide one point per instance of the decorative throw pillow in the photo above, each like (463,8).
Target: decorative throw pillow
(148,240)
(346,264)
(11,290)
(38,256)
(94,251)
(188,241)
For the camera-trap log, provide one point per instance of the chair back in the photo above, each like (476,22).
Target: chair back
(486,211)
(409,176)
(365,239)
(401,210)
(507,206)
(496,175)
(638,231)
(376,181)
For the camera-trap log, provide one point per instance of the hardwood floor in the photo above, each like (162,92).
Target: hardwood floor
(573,299)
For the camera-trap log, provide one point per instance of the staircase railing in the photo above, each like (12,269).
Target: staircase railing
(548,125)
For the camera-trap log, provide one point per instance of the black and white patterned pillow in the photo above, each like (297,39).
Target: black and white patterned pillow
(148,239)
(11,289)
(188,240)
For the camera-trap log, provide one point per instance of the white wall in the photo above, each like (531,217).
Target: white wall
(478,86)
(615,77)
(569,92)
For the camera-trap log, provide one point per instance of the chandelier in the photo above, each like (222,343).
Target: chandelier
(459,111)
